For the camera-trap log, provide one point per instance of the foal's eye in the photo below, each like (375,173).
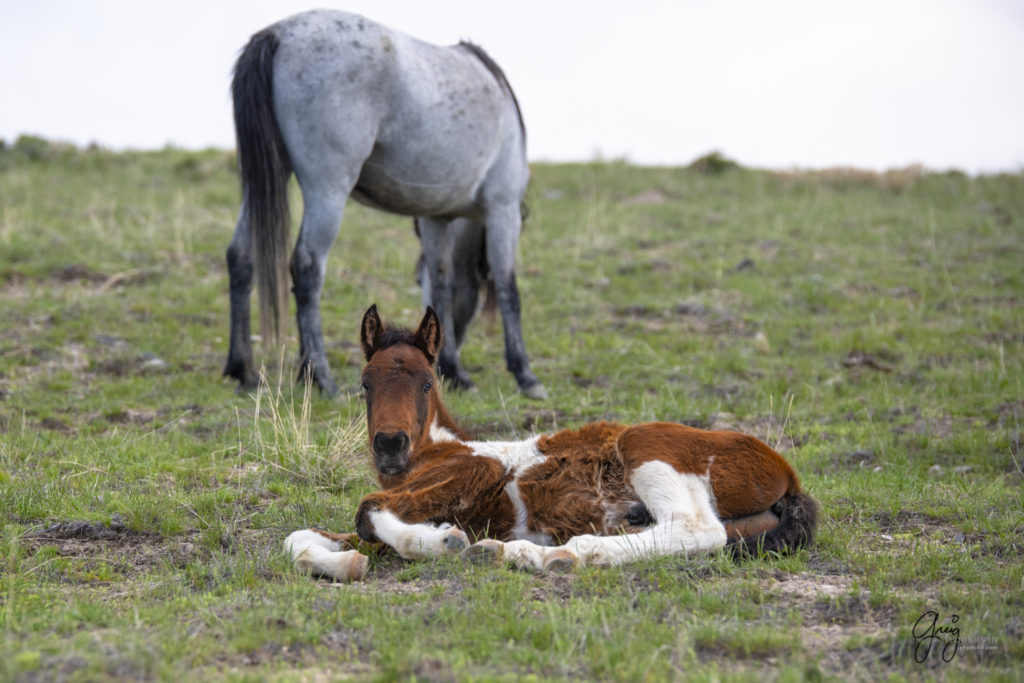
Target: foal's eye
(427,387)
(366,387)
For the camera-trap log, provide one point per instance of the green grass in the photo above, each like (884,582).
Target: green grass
(874,334)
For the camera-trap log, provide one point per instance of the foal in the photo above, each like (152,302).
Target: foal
(604,494)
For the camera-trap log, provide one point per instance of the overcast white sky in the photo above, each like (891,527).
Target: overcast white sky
(869,83)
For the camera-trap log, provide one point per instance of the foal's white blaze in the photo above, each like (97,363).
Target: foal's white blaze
(316,554)
(416,541)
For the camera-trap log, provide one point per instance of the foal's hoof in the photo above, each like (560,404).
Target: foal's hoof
(487,551)
(537,392)
(455,541)
(559,561)
(357,568)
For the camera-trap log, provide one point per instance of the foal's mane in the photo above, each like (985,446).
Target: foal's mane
(499,75)
(392,336)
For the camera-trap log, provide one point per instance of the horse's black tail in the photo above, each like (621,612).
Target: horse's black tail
(798,521)
(265,168)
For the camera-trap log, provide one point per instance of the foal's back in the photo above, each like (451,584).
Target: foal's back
(583,485)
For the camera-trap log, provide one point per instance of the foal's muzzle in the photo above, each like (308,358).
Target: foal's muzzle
(391,452)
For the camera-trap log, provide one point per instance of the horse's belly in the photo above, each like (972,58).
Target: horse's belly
(401,187)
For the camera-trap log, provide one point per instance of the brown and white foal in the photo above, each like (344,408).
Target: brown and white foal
(603,494)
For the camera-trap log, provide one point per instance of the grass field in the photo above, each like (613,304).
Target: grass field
(870,326)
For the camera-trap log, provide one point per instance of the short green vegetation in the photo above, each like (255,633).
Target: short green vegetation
(869,326)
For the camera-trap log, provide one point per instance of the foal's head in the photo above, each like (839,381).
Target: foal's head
(401,397)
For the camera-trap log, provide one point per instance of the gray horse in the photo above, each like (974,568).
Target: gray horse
(356,109)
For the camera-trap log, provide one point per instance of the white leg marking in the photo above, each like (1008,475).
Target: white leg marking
(416,541)
(685,522)
(314,553)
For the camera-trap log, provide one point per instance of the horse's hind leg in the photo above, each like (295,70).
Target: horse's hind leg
(321,221)
(240,277)
(438,241)
(466,255)
(503,224)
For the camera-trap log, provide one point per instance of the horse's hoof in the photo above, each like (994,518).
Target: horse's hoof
(328,389)
(536,392)
(559,561)
(456,383)
(487,551)
(455,541)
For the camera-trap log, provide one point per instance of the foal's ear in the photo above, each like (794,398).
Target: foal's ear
(429,336)
(370,331)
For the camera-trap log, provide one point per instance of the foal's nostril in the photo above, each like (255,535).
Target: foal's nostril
(390,444)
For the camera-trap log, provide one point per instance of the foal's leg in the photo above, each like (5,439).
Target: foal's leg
(503,223)
(316,553)
(684,522)
(240,277)
(416,518)
(438,242)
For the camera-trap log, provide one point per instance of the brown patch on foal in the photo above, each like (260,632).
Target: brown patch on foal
(747,477)
(448,485)
(580,487)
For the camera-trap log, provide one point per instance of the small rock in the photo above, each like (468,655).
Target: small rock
(761,344)
(746,264)
(963,469)
(935,469)
(117,522)
(111,340)
(151,362)
(860,457)
(690,308)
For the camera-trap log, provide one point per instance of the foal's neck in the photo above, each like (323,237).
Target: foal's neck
(442,425)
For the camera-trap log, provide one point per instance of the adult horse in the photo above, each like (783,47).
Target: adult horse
(602,494)
(356,109)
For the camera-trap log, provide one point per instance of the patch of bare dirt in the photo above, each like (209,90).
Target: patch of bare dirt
(78,272)
(129,552)
(766,428)
(696,316)
(653,197)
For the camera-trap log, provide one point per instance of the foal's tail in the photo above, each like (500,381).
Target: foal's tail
(265,168)
(798,521)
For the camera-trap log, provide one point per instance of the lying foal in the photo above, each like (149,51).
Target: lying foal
(603,494)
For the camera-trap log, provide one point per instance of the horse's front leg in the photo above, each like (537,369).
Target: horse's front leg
(438,242)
